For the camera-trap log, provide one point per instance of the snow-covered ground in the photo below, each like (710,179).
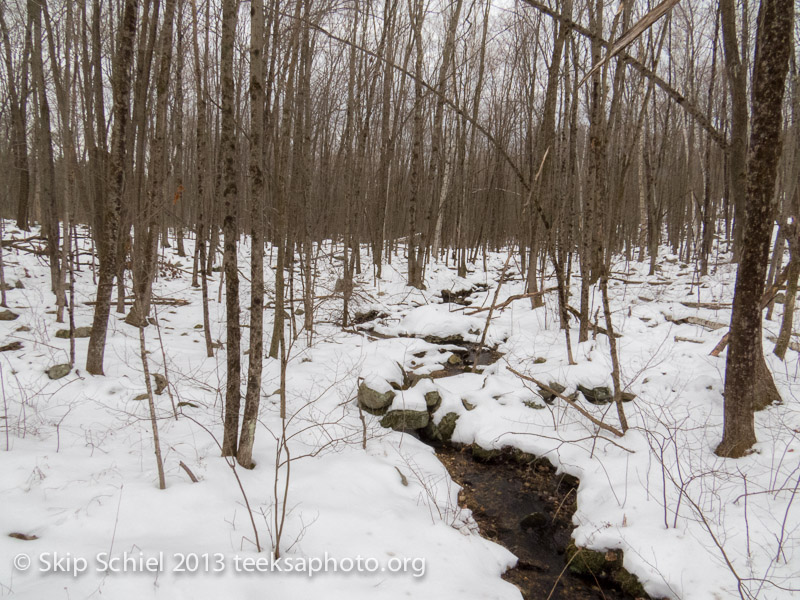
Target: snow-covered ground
(80,473)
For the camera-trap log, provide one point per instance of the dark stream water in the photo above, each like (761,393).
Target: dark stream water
(521,503)
(526,507)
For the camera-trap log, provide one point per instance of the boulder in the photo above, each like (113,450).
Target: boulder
(549,396)
(443,431)
(434,400)
(484,455)
(7,315)
(374,402)
(58,371)
(596,395)
(80,332)
(404,420)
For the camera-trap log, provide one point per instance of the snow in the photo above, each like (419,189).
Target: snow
(80,472)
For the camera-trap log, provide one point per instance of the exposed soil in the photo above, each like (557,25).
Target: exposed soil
(522,504)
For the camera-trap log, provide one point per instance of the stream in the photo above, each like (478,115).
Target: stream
(521,503)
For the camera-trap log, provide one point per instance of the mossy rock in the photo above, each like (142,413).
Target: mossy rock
(58,371)
(539,360)
(596,395)
(629,583)
(454,360)
(443,431)
(467,404)
(7,315)
(588,563)
(549,396)
(606,565)
(405,420)
(80,332)
(533,404)
(434,400)
(374,402)
(484,455)
(141,397)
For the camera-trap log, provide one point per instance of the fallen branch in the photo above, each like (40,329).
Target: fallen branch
(712,325)
(511,299)
(680,338)
(708,305)
(572,403)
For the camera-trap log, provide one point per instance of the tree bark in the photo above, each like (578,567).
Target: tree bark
(748,384)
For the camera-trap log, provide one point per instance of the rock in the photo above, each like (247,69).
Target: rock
(533,404)
(23,329)
(457,297)
(141,397)
(596,395)
(549,396)
(370,315)
(7,315)
(607,565)
(536,521)
(6,287)
(433,400)
(11,346)
(443,431)
(404,420)
(299,312)
(161,383)
(198,326)
(539,360)
(58,371)
(467,404)
(374,402)
(628,396)
(484,455)
(454,360)
(780,298)
(19,285)
(587,562)
(80,332)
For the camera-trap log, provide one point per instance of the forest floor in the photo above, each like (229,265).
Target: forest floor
(79,473)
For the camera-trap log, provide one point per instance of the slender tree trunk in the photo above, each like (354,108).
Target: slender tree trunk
(257,188)
(107,242)
(230,15)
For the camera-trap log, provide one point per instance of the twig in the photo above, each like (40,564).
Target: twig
(188,472)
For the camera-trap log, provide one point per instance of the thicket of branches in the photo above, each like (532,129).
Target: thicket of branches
(555,127)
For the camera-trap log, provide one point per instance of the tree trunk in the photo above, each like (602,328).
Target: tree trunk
(230,14)
(748,383)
